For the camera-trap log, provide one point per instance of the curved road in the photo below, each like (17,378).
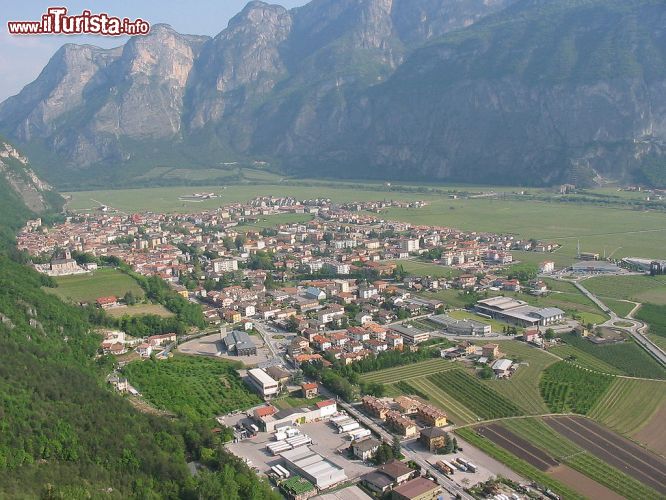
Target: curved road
(636,330)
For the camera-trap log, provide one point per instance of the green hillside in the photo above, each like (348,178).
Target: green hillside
(65,433)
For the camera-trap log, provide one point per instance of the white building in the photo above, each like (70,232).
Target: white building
(336,267)
(547,267)
(225,265)
(410,244)
(266,386)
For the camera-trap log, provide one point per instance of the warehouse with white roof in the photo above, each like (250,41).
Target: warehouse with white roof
(313,467)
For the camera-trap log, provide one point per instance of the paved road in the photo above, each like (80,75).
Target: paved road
(447,483)
(636,330)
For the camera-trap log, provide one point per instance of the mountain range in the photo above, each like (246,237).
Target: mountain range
(531,92)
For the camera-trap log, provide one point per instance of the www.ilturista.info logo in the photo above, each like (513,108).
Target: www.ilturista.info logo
(57,22)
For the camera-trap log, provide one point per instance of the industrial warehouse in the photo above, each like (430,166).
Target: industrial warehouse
(518,312)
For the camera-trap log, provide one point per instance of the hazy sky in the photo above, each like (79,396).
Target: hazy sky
(23,57)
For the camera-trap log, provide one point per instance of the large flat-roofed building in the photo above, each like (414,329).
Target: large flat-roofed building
(266,386)
(518,312)
(239,343)
(269,421)
(225,265)
(313,467)
(462,326)
(594,267)
(418,488)
(410,334)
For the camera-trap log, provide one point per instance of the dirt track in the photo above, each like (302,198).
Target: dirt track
(518,446)
(583,484)
(613,449)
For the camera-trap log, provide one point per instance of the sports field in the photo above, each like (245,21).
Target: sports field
(618,231)
(140,310)
(101,283)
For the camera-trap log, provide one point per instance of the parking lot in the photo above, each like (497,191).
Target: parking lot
(487,467)
(211,345)
(325,441)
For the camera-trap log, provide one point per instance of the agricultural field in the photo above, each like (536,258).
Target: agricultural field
(523,387)
(569,389)
(620,307)
(422,387)
(479,398)
(140,310)
(642,288)
(194,387)
(546,439)
(620,231)
(655,316)
(166,199)
(629,404)
(583,359)
(519,465)
(562,260)
(636,462)
(451,297)
(627,357)
(101,283)
(406,372)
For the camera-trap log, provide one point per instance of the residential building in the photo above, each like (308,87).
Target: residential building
(225,265)
(410,334)
(310,390)
(366,448)
(432,416)
(403,426)
(418,488)
(433,438)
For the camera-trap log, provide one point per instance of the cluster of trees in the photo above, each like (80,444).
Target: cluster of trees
(387,359)
(332,380)
(387,452)
(261,260)
(450,445)
(523,272)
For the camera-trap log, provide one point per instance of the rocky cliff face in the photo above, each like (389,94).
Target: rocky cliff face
(15,171)
(532,91)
